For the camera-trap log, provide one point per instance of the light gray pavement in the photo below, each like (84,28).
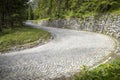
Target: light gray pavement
(62,56)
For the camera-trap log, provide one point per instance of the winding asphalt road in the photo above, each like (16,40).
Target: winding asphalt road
(62,56)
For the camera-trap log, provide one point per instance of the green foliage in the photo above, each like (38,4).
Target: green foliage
(12,12)
(20,36)
(107,5)
(108,71)
(73,8)
(30,13)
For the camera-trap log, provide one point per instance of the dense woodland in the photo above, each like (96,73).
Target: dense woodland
(15,12)
(12,12)
(71,8)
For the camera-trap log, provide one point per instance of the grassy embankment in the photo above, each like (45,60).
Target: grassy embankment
(107,71)
(20,36)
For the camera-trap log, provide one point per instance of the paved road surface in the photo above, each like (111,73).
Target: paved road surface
(62,56)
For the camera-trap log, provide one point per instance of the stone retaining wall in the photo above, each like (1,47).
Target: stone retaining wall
(107,24)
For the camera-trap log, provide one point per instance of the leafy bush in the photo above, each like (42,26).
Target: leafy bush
(108,71)
(74,8)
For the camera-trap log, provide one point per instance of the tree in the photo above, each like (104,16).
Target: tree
(30,13)
(12,12)
(59,8)
(73,8)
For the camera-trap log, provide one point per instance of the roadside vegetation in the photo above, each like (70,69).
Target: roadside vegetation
(21,35)
(54,9)
(12,13)
(107,71)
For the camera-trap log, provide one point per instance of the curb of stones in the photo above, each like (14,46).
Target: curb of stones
(109,56)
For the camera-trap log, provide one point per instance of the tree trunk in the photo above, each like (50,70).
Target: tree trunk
(67,5)
(50,8)
(59,1)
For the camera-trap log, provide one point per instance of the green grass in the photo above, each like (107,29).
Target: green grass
(115,11)
(108,71)
(20,36)
(36,21)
